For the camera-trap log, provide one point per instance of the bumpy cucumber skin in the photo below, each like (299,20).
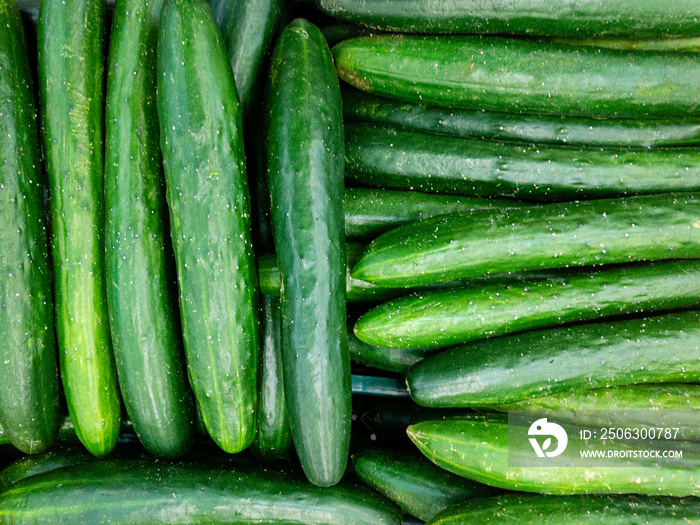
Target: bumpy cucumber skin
(29,390)
(180,493)
(404,159)
(274,435)
(559,235)
(71,73)
(524,509)
(538,363)
(559,17)
(142,305)
(305,151)
(207,192)
(537,129)
(519,76)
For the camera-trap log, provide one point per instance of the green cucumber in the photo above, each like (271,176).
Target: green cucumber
(274,436)
(554,17)
(521,76)
(383,358)
(538,129)
(476,447)
(405,159)
(664,348)
(413,483)
(678,45)
(305,152)
(207,192)
(559,235)
(524,509)
(455,316)
(71,73)
(337,32)
(187,493)
(143,309)
(28,466)
(30,398)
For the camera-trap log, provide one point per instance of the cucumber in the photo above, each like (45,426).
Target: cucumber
(404,159)
(458,445)
(142,308)
(522,76)
(391,359)
(187,493)
(30,399)
(71,73)
(274,436)
(454,316)
(337,32)
(555,17)
(678,45)
(413,483)
(559,235)
(521,509)
(207,192)
(305,150)
(507,369)
(28,466)
(539,129)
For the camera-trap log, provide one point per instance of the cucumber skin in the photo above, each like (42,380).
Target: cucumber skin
(274,435)
(304,102)
(539,129)
(404,159)
(220,495)
(445,318)
(53,459)
(678,45)
(456,444)
(513,368)
(29,393)
(581,233)
(72,108)
(207,193)
(562,18)
(397,360)
(143,310)
(515,76)
(522,509)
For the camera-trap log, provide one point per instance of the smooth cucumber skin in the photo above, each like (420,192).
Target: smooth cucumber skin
(143,308)
(130,492)
(521,509)
(457,445)
(538,129)
(383,358)
(678,45)
(305,149)
(29,390)
(558,235)
(410,160)
(660,349)
(274,435)
(71,73)
(48,460)
(415,484)
(207,193)
(555,17)
(455,316)
(519,76)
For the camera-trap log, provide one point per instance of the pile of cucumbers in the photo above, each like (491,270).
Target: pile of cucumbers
(208,209)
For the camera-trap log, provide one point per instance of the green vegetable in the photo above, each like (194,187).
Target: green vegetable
(391,359)
(207,191)
(678,45)
(53,459)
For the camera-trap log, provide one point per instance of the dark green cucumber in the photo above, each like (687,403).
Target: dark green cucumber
(406,159)
(521,76)
(29,392)
(274,436)
(305,150)
(71,73)
(187,493)
(337,32)
(454,316)
(678,45)
(414,483)
(559,235)
(525,509)
(143,310)
(383,358)
(207,192)
(657,349)
(538,129)
(554,17)
(53,459)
